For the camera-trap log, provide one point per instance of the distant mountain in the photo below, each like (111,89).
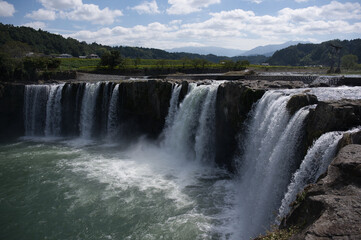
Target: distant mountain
(269,50)
(218,51)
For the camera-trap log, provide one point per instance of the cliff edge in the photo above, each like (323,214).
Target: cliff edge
(331,208)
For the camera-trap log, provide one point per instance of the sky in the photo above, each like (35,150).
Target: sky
(166,24)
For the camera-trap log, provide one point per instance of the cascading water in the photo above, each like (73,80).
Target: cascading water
(191,132)
(264,169)
(169,190)
(173,106)
(36,97)
(88,108)
(53,111)
(113,120)
(315,163)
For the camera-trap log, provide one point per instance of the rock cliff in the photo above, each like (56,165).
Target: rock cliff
(333,116)
(331,208)
(144,106)
(11,111)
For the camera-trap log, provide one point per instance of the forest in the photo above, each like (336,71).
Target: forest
(25,39)
(317,54)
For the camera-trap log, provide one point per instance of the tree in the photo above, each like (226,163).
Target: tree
(349,61)
(196,62)
(185,61)
(203,63)
(111,59)
(137,62)
(228,64)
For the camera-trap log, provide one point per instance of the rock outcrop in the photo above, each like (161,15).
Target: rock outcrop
(333,116)
(234,101)
(331,208)
(11,111)
(299,101)
(144,106)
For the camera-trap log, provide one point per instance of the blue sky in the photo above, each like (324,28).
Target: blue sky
(165,24)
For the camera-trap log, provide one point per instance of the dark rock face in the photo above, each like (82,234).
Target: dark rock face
(11,111)
(299,101)
(71,104)
(331,208)
(234,101)
(184,91)
(144,106)
(333,116)
(350,138)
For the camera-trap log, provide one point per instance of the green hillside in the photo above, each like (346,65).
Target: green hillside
(17,41)
(315,54)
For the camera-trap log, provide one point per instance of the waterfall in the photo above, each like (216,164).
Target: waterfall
(190,131)
(88,108)
(204,141)
(53,111)
(113,121)
(271,143)
(315,163)
(173,106)
(36,97)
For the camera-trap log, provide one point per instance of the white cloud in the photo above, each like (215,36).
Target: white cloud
(42,14)
(332,11)
(189,6)
(61,4)
(147,8)
(35,25)
(301,1)
(74,10)
(6,9)
(236,28)
(92,13)
(260,1)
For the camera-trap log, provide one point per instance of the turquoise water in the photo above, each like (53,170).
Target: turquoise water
(68,189)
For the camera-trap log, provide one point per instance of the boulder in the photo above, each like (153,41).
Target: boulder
(331,208)
(299,101)
(329,116)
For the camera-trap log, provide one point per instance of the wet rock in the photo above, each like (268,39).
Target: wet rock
(144,106)
(333,116)
(299,101)
(331,208)
(349,138)
(11,111)
(234,101)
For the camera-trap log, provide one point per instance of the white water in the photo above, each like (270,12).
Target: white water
(87,110)
(35,103)
(264,169)
(173,105)
(191,133)
(315,163)
(182,166)
(53,111)
(113,120)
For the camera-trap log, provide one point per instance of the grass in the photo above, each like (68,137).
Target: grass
(279,234)
(90,65)
(77,63)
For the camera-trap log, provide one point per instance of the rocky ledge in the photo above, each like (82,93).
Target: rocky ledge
(333,116)
(234,101)
(331,208)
